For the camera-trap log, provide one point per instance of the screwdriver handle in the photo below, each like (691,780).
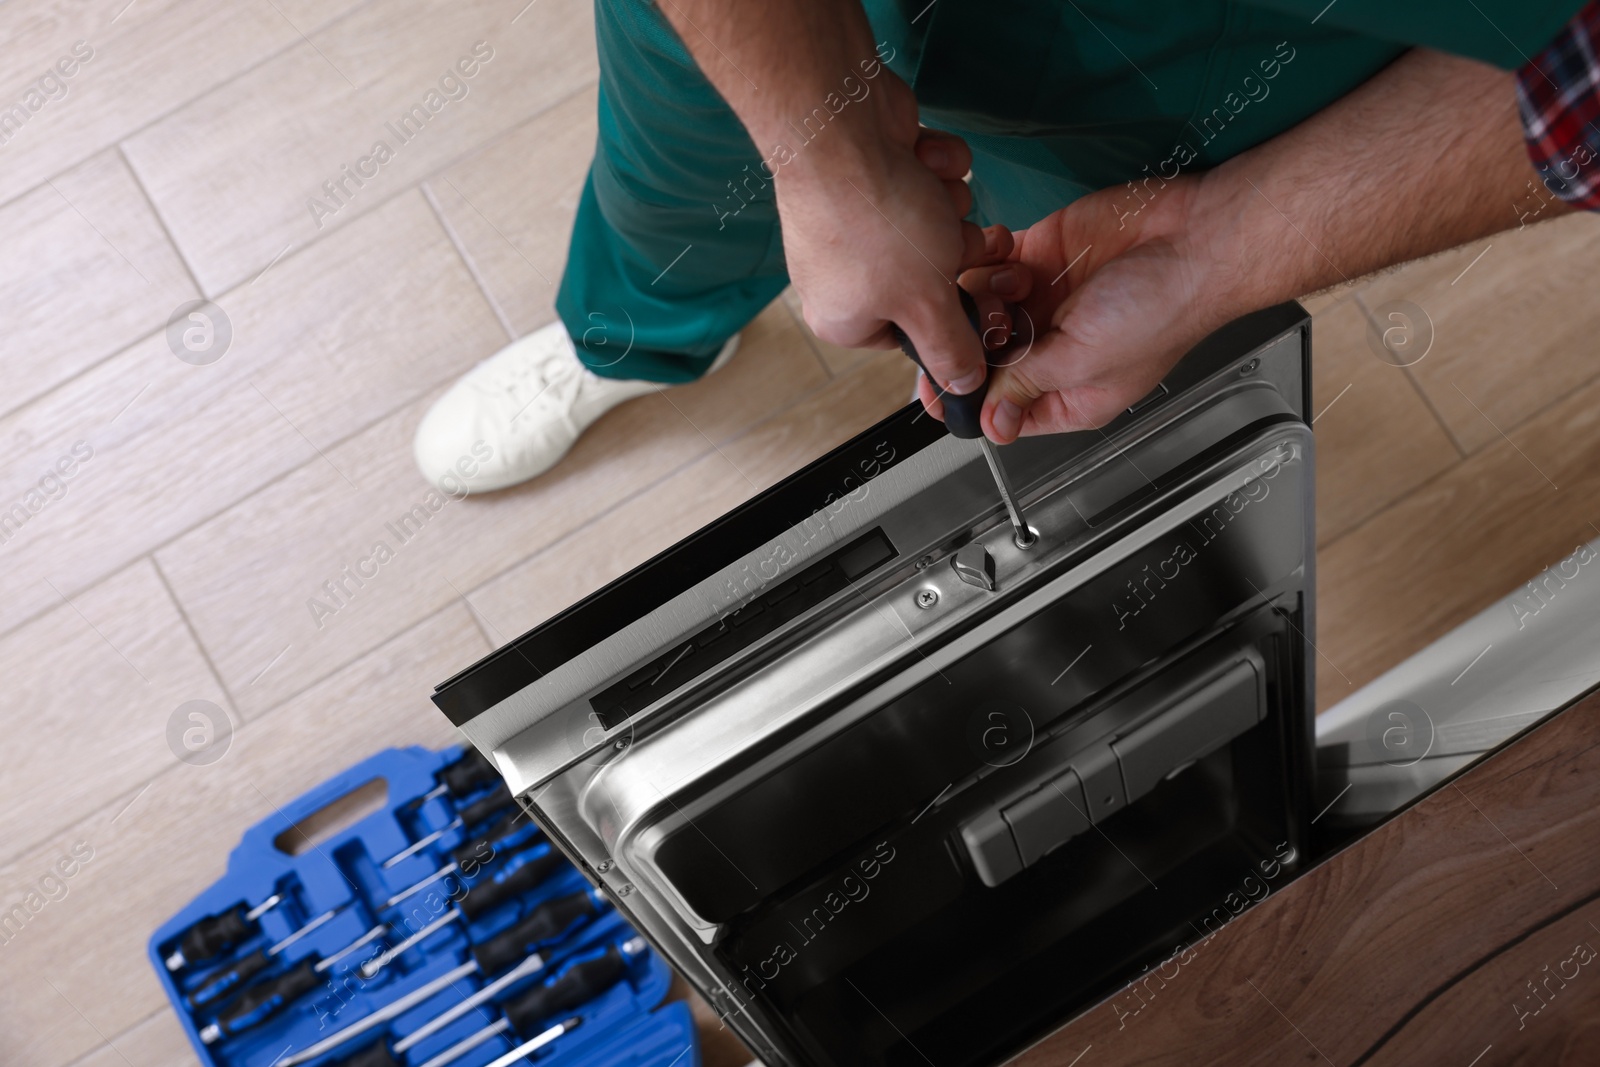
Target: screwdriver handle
(486,896)
(264,999)
(230,978)
(482,849)
(487,807)
(469,773)
(377,1054)
(215,934)
(576,986)
(543,924)
(961,413)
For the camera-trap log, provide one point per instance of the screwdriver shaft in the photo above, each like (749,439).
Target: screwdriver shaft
(389,1011)
(1008,496)
(303,931)
(379,962)
(262,908)
(421,843)
(467,1044)
(528,966)
(534,1044)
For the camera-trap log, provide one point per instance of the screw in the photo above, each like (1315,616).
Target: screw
(622,743)
(624,890)
(604,866)
(924,563)
(927,598)
(1249,368)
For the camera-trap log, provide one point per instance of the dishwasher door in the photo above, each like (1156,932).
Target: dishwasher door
(889,788)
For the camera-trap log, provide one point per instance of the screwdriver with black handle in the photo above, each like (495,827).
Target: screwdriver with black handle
(463,777)
(259,1002)
(216,934)
(962,418)
(571,989)
(213,935)
(483,898)
(485,808)
(512,885)
(549,924)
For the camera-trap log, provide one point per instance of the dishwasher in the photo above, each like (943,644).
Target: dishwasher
(890,787)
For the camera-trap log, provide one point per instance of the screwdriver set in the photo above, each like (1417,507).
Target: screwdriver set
(442,929)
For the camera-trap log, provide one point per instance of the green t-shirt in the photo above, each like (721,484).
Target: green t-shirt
(1059,98)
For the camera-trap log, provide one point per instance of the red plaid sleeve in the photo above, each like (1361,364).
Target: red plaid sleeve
(1558,94)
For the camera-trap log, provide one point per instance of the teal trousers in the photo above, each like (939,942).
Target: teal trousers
(677,245)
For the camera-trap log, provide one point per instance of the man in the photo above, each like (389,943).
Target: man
(1147,171)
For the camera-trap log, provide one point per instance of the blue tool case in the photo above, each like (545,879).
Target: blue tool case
(440,930)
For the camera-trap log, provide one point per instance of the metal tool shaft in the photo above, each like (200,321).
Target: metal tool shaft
(1008,496)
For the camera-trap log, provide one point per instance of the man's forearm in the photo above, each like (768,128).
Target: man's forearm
(777,61)
(1425,156)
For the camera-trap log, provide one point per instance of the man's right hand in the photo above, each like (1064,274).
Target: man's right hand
(871,204)
(873,231)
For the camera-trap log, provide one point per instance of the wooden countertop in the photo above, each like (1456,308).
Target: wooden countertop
(1462,932)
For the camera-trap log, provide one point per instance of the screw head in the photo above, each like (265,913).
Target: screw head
(924,563)
(624,890)
(603,866)
(1249,368)
(927,598)
(622,743)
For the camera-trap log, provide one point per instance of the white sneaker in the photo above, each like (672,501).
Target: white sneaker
(513,416)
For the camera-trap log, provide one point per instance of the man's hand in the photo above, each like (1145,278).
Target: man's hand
(876,237)
(871,205)
(1425,156)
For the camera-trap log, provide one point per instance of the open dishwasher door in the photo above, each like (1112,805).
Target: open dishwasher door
(889,789)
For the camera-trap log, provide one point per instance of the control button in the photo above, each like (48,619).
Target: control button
(991,848)
(975,566)
(1101,775)
(1048,817)
(1198,724)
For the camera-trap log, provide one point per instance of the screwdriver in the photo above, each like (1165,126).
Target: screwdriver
(488,895)
(574,987)
(961,418)
(466,775)
(547,924)
(630,949)
(380,1055)
(266,998)
(478,811)
(479,851)
(227,978)
(215,934)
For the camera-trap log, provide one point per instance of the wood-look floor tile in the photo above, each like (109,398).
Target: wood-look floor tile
(1376,438)
(1512,334)
(250,576)
(101,679)
(847,406)
(1457,544)
(174,841)
(512,206)
(325,343)
(144,61)
(836,358)
(158,1041)
(1324,300)
(85,269)
(235,173)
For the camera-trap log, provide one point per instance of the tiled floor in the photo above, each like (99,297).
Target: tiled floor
(207,504)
